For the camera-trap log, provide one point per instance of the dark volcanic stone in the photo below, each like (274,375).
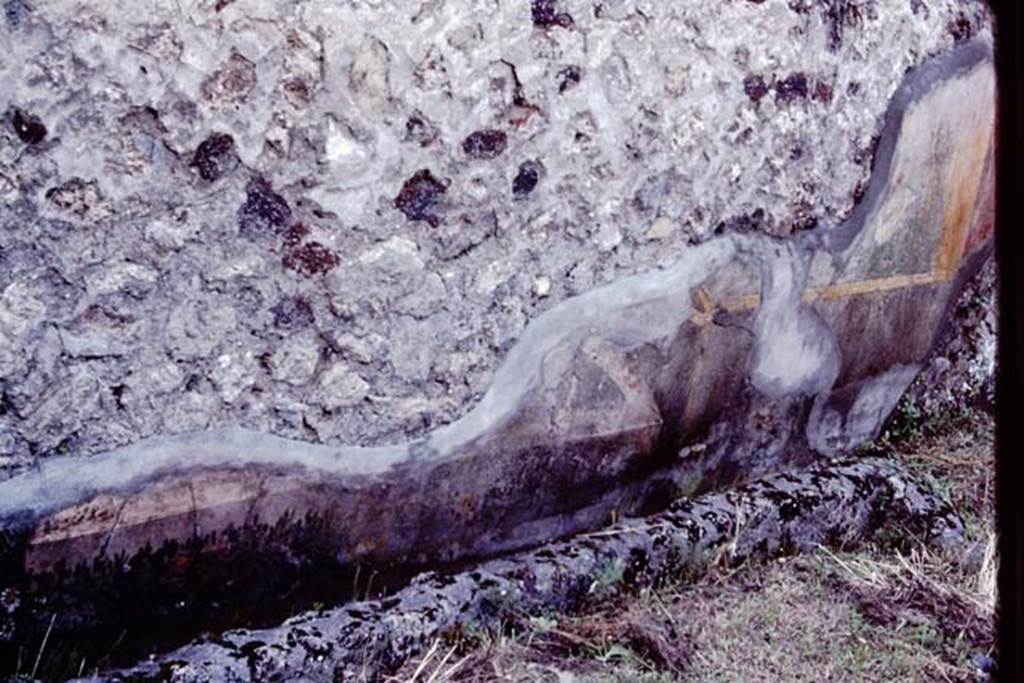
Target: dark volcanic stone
(755,87)
(264,211)
(791,88)
(293,313)
(27,127)
(485,144)
(545,14)
(420,196)
(14,12)
(837,15)
(823,92)
(960,28)
(526,179)
(294,235)
(215,156)
(419,129)
(744,223)
(568,77)
(312,258)
(804,217)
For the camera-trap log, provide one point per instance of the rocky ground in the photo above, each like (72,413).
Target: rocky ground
(961,375)
(330,220)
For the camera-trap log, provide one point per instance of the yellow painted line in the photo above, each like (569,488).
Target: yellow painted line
(966,182)
(839,290)
(884,284)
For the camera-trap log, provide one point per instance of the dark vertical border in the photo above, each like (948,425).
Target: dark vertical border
(1009,381)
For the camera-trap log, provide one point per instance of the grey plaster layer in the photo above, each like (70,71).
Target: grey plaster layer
(838,503)
(147,288)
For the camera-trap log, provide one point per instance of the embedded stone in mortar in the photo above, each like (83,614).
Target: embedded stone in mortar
(616,120)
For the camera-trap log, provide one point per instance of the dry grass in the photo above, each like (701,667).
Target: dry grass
(886,612)
(956,454)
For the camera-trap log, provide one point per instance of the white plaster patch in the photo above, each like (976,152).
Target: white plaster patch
(831,429)
(795,350)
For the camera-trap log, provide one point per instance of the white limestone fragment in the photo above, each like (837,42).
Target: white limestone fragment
(234,372)
(295,359)
(20,311)
(340,387)
(542,286)
(396,255)
(661,228)
(117,276)
(194,330)
(156,378)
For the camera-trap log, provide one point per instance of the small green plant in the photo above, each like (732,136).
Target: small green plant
(924,635)
(910,423)
(905,423)
(543,624)
(616,653)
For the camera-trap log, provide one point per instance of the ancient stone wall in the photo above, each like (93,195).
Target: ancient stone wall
(331,221)
(334,285)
